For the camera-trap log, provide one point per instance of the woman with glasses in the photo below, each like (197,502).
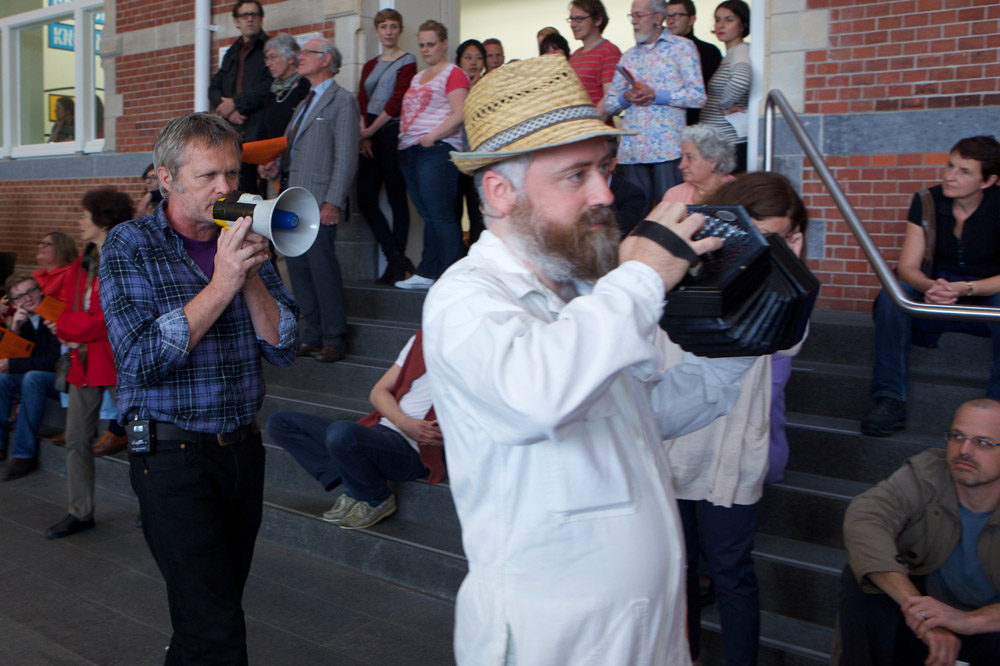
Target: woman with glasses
(384,80)
(719,471)
(152,197)
(56,252)
(81,328)
(729,88)
(430,128)
(32,377)
(281,56)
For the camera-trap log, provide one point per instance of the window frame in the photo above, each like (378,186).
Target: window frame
(83,78)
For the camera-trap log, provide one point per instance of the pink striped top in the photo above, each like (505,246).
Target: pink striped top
(425,106)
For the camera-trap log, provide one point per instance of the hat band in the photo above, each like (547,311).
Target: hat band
(531,125)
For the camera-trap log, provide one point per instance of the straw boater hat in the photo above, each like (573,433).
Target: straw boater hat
(525,106)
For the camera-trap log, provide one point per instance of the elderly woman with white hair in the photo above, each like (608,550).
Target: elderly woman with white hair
(281,55)
(707,160)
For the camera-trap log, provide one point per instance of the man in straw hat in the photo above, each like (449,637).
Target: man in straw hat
(554,382)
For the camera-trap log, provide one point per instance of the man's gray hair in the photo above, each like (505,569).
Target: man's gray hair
(514,169)
(712,146)
(284,45)
(205,128)
(658,7)
(335,57)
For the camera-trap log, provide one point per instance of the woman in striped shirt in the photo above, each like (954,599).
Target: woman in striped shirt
(729,88)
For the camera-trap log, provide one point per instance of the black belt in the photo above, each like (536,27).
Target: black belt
(168,432)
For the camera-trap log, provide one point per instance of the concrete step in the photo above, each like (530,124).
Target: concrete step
(798,579)
(377,339)
(849,339)
(352,378)
(808,508)
(366,300)
(835,447)
(842,391)
(784,641)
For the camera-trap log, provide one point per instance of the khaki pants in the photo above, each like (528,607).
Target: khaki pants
(81,430)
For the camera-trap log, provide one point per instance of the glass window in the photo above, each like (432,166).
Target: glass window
(57,82)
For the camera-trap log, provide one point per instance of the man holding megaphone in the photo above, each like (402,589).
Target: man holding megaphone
(322,157)
(190,310)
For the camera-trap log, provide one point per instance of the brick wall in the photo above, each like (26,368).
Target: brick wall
(33,208)
(880,187)
(891,57)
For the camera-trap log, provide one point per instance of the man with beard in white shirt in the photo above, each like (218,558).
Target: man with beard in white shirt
(550,374)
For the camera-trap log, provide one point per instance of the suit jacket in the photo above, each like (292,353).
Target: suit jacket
(325,157)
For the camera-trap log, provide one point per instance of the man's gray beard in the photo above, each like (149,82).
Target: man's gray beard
(565,254)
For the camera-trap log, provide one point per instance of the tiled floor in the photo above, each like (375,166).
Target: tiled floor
(97,597)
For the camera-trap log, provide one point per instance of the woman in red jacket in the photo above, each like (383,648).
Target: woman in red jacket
(81,328)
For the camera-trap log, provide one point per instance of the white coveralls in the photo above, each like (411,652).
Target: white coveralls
(555,416)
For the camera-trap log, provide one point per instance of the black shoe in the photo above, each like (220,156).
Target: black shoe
(397,267)
(3,454)
(885,417)
(19,467)
(68,526)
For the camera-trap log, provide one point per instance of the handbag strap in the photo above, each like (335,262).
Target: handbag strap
(928,220)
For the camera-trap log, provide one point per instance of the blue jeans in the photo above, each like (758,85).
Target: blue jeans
(893,336)
(432,181)
(333,451)
(727,540)
(35,387)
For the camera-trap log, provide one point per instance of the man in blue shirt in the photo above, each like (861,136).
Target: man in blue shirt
(928,537)
(190,311)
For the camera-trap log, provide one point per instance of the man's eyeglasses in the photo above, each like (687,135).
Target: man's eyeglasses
(248,15)
(676,15)
(577,19)
(960,439)
(20,297)
(637,16)
(310,51)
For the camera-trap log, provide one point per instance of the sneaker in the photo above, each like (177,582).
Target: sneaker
(363,514)
(886,416)
(415,282)
(339,509)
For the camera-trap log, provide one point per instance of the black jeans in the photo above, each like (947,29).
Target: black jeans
(383,168)
(201,508)
(873,632)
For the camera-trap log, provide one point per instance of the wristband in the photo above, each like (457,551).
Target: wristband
(968,289)
(668,240)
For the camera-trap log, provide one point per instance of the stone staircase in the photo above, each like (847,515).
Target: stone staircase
(799,551)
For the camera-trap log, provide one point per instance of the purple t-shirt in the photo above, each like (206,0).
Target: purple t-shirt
(203,253)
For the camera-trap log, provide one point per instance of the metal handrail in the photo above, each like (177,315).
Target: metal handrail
(890,283)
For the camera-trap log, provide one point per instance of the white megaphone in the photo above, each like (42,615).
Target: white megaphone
(290,220)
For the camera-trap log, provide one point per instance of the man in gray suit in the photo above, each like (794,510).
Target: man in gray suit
(322,157)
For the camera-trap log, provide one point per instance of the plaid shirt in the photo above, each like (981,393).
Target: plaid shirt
(146,279)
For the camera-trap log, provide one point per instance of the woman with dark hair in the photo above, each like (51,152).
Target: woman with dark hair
(719,471)
(471,58)
(64,128)
(152,197)
(384,80)
(553,44)
(728,90)
(81,328)
(56,251)
(430,128)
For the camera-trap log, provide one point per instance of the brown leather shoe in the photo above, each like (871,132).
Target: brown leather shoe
(308,350)
(109,443)
(19,467)
(330,354)
(58,440)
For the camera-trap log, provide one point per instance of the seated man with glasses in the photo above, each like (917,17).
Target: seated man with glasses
(922,585)
(33,377)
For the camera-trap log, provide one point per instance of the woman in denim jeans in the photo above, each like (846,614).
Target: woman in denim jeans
(430,128)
